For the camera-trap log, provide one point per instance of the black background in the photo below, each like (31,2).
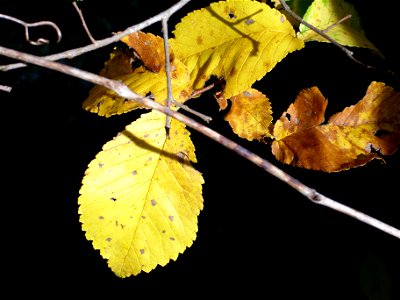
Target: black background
(257,236)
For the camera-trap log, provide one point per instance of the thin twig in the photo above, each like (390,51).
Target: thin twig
(107,41)
(79,11)
(336,23)
(198,92)
(122,90)
(205,118)
(170,98)
(164,23)
(322,33)
(39,41)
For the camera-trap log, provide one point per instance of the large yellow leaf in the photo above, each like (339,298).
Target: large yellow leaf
(250,115)
(351,138)
(140,196)
(325,13)
(237,40)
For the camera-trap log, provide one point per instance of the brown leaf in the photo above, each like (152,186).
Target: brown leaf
(308,110)
(120,63)
(150,49)
(221,100)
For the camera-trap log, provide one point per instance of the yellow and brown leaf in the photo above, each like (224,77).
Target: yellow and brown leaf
(149,78)
(351,138)
(250,115)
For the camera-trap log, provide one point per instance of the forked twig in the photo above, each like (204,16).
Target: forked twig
(122,90)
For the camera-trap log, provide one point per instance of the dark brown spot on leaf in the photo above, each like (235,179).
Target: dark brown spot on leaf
(231,15)
(153,202)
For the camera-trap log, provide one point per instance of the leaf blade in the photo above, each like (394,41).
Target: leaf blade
(351,138)
(239,41)
(140,196)
(325,13)
(250,115)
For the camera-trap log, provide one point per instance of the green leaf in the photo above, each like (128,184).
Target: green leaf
(325,15)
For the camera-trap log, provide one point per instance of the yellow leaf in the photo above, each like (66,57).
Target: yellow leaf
(250,115)
(381,107)
(140,197)
(142,81)
(325,13)
(237,40)
(351,138)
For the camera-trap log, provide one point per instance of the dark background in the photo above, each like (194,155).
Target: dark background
(256,234)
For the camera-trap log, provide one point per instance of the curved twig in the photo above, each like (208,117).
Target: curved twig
(107,41)
(39,41)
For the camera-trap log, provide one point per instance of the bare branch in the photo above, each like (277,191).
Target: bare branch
(122,90)
(79,11)
(107,41)
(5,88)
(39,41)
